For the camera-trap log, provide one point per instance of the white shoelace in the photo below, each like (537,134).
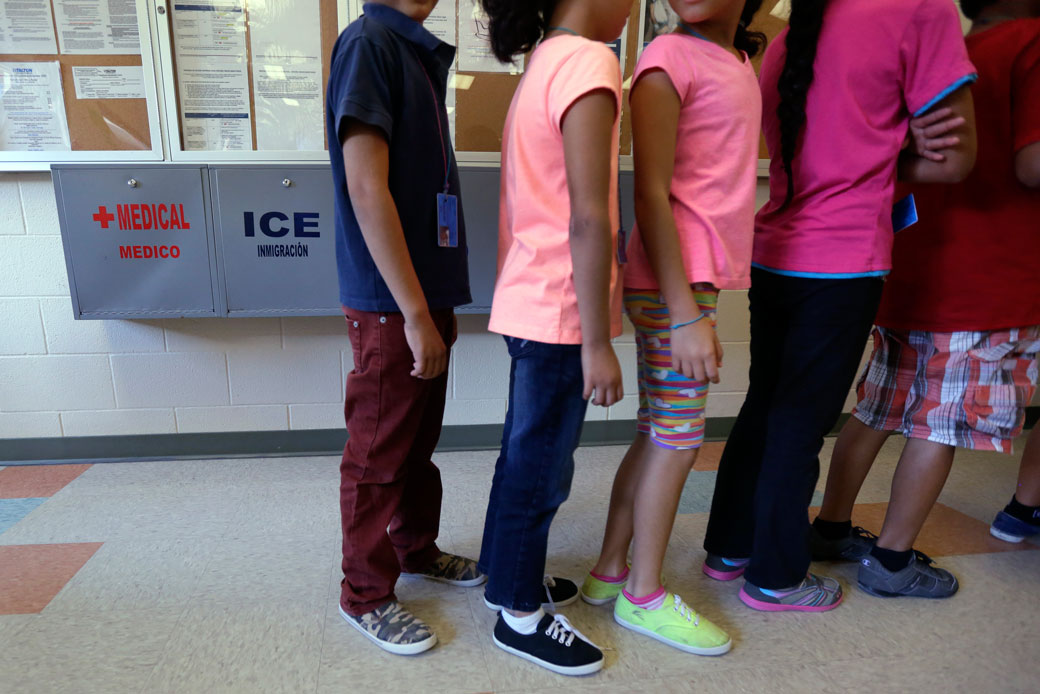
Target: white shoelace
(549,582)
(563,631)
(685,610)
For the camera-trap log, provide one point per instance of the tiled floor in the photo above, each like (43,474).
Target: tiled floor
(222,576)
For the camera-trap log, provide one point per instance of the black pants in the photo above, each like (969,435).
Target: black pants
(807,338)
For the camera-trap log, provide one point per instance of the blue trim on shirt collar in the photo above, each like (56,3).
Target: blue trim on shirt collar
(404,25)
(967,79)
(823,275)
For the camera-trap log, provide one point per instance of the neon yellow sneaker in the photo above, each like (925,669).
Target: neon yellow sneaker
(675,624)
(597,592)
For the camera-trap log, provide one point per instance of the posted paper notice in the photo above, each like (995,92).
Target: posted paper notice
(287,77)
(26,27)
(32,108)
(210,47)
(109,82)
(97,27)
(474,48)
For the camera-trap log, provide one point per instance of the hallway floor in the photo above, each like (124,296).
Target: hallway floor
(223,576)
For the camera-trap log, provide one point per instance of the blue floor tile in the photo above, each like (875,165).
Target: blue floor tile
(13,510)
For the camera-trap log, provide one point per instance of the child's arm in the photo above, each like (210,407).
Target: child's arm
(587,134)
(366,155)
(957,160)
(1027,165)
(696,352)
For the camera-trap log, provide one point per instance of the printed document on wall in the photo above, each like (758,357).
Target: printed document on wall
(32,108)
(109,82)
(474,48)
(26,27)
(284,36)
(441,22)
(212,79)
(97,27)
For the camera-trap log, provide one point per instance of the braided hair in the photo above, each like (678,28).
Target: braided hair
(797,76)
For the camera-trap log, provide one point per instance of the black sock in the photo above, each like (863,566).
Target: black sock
(891,559)
(1026,514)
(830,530)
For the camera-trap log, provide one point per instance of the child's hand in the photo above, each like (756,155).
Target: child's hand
(926,136)
(697,352)
(427,345)
(602,374)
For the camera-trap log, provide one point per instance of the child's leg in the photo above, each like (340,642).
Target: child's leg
(613,556)
(547,411)
(487,545)
(854,453)
(384,412)
(1028,491)
(918,481)
(731,524)
(415,526)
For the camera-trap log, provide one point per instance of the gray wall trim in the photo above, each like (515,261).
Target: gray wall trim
(259,444)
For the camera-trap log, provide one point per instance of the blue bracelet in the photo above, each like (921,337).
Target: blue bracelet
(691,322)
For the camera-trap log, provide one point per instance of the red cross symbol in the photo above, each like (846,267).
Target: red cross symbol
(103,217)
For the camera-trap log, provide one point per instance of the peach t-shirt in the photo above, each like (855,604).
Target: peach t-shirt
(534,294)
(716,160)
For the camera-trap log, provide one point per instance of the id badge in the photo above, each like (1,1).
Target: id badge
(904,214)
(622,247)
(447,221)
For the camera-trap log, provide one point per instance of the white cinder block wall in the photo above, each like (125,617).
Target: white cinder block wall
(61,377)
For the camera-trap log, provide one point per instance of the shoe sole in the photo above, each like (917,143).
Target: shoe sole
(572,671)
(777,607)
(713,651)
(478,581)
(598,602)
(395,648)
(877,593)
(722,575)
(1006,537)
(545,605)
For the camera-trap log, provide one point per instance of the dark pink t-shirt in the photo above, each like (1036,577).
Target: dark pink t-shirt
(879,62)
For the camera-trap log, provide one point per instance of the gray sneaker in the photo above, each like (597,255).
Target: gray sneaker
(814,594)
(853,547)
(921,579)
(394,629)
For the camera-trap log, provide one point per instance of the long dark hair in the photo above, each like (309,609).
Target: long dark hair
(516,26)
(803,37)
(972,8)
(751,42)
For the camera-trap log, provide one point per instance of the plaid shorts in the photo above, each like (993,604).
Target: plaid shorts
(966,389)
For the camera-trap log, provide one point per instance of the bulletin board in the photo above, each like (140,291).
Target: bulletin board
(77,82)
(275,101)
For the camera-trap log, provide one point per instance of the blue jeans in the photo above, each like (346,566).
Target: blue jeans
(534,470)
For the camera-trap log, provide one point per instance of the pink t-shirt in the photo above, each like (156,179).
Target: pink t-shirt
(716,160)
(534,294)
(878,62)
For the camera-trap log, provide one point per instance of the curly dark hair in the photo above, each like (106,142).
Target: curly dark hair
(751,42)
(516,26)
(797,76)
(972,8)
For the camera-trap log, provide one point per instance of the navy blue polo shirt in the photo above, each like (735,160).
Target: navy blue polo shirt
(391,73)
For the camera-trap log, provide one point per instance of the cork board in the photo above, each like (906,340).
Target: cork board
(481,109)
(329,18)
(97,125)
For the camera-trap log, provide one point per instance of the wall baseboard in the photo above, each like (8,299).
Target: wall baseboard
(259,444)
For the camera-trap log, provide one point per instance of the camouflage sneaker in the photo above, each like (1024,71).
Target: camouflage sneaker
(453,570)
(394,629)
(853,547)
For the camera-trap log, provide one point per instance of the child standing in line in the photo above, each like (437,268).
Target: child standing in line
(557,300)
(839,88)
(397,187)
(958,337)
(696,111)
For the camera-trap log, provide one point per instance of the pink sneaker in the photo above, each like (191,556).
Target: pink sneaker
(723,569)
(814,594)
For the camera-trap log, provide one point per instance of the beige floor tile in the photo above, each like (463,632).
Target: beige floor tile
(100,652)
(262,647)
(11,625)
(136,575)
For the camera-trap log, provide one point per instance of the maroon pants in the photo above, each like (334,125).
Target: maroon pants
(390,490)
